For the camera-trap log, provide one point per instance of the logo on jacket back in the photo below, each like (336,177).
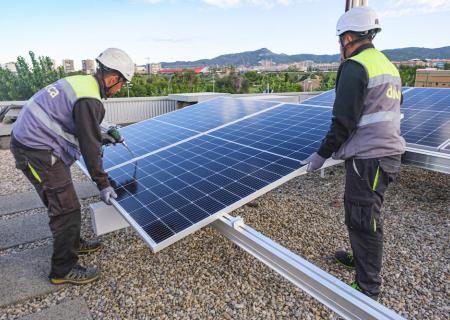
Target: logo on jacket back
(393,93)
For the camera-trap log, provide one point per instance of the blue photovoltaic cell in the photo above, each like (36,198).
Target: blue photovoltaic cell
(214,113)
(434,99)
(290,130)
(168,192)
(150,135)
(426,119)
(325,99)
(142,138)
(426,127)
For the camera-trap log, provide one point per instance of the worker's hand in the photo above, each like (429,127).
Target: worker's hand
(107,194)
(107,139)
(314,162)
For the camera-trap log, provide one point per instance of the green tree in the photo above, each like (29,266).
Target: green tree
(29,78)
(408,75)
(327,81)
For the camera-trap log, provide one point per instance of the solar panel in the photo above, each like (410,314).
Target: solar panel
(325,99)
(426,120)
(434,99)
(176,191)
(214,113)
(142,138)
(291,130)
(426,127)
(162,131)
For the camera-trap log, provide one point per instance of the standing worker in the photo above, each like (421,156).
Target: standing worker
(57,125)
(365,132)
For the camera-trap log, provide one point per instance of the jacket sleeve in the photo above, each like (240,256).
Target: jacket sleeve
(351,89)
(88,114)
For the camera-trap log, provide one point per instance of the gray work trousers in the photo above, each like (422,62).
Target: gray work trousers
(53,182)
(365,185)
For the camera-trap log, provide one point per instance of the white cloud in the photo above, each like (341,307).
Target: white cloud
(399,8)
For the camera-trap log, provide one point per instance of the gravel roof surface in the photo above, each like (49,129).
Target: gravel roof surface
(206,276)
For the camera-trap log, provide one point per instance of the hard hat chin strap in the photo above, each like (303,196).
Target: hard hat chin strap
(369,35)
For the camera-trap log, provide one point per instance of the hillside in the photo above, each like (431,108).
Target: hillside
(252,58)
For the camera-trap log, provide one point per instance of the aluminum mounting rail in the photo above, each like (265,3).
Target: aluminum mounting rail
(330,291)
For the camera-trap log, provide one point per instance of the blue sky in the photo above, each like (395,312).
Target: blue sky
(169,30)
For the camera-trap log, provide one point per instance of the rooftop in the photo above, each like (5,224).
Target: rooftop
(205,276)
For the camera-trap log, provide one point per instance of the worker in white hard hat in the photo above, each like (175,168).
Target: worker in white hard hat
(365,132)
(56,126)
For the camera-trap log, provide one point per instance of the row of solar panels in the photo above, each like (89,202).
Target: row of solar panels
(193,165)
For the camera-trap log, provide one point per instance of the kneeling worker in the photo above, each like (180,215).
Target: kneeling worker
(57,125)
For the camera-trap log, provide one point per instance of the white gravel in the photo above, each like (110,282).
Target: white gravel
(205,276)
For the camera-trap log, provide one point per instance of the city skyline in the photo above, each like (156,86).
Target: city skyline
(170,30)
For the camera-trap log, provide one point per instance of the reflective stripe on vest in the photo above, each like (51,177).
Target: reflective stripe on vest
(40,114)
(378,117)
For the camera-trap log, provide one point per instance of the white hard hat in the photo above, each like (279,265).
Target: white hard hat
(118,60)
(358,19)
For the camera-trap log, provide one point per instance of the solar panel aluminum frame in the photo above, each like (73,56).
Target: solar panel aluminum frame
(427,159)
(444,147)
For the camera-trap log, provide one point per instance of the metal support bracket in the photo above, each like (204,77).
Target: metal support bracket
(338,296)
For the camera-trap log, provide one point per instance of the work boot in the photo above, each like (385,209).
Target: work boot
(356,286)
(345,258)
(88,246)
(78,275)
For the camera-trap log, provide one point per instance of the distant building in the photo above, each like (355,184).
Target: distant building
(11,66)
(334,66)
(142,69)
(438,63)
(153,68)
(432,77)
(68,65)
(174,70)
(411,63)
(266,64)
(88,66)
(310,84)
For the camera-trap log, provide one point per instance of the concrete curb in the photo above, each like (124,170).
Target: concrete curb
(76,309)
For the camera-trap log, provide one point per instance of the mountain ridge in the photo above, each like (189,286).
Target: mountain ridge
(252,58)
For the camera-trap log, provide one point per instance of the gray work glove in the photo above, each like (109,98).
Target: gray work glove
(314,162)
(107,139)
(107,194)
